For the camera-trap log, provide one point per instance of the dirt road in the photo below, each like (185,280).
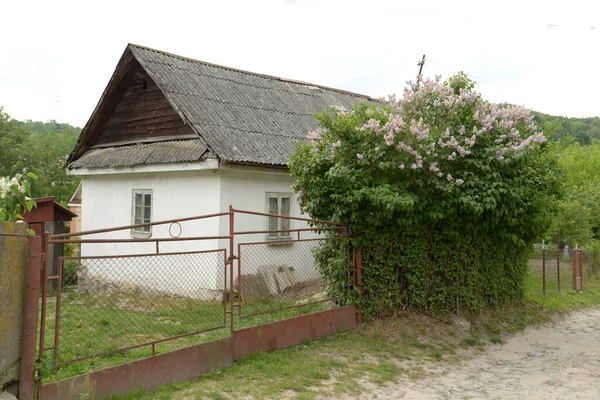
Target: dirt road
(559,361)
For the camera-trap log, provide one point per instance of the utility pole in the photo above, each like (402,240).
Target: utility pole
(420,64)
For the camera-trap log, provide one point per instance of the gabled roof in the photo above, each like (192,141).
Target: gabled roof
(239,116)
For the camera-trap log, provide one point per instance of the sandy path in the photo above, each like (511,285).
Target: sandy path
(560,361)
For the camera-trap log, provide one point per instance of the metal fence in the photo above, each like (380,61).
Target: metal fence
(280,279)
(111,305)
(117,304)
(560,269)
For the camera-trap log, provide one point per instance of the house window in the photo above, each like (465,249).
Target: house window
(142,212)
(278,203)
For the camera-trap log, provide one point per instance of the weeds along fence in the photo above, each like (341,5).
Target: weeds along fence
(141,290)
(561,270)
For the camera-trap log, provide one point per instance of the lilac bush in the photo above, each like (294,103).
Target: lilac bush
(440,165)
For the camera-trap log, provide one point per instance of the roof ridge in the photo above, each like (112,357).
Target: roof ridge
(254,73)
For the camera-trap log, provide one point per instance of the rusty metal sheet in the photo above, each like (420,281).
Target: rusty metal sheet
(293,331)
(148,373)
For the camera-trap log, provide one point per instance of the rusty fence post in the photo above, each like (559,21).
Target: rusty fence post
(577,269)
(580,269)
(28,349)
(558,268)
(544,271)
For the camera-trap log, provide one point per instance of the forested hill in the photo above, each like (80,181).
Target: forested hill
(42,148)
(584,130)
(50,127)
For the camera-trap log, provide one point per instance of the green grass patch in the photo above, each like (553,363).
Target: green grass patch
(377,352)
(339,365)
(97,323)
(567,299)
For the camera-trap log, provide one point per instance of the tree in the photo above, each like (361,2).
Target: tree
(40,147)
(11,145)
(447,191)
(577,219)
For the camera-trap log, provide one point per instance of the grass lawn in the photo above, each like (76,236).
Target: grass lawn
(379,352)
(93,324)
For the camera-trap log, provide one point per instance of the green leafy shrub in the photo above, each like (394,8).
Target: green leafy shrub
(69,272)
(446,191)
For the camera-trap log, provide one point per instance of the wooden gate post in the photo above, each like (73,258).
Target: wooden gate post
(32,290)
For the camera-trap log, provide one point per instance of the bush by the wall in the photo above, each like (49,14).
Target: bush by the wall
(446,191)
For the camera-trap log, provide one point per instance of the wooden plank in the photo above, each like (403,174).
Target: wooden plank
(137,89)
(107,103)
(142,100)
(152,139)
(168,134)
(146,128)
(137,115)
(166,121)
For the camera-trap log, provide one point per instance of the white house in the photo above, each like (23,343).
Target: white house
(173,137)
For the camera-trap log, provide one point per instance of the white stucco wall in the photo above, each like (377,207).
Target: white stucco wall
(180,194)
(175,194)
(246,188)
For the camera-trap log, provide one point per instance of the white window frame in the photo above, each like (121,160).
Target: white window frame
(144,231)
(282,223)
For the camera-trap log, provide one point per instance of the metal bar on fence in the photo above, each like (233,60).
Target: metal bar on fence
(231,296)
(558,268)
(127,227)
(290,241)
(239,282)
(57,316)
(285,217)
(138,240)
(44,284)
(137,346)
(225,288)
(544,271)
(142,255)
(336,228)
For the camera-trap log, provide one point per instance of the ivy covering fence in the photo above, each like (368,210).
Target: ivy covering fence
(448,192)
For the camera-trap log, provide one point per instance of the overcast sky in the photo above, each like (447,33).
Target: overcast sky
(57,56)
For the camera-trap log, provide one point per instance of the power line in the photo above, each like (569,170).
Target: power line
(452,69)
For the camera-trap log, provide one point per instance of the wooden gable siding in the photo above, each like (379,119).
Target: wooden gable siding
(143,115)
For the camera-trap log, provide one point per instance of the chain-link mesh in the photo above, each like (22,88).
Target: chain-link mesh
(112,303)
(280,281)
